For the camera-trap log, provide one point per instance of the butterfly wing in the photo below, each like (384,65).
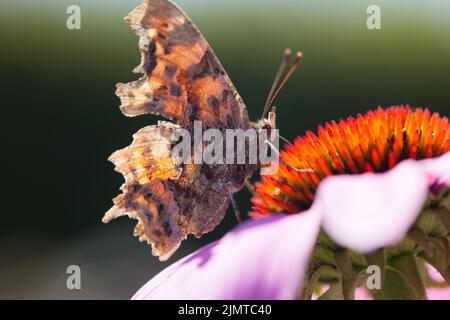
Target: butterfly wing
(183,79)
(184,82)
(167,205)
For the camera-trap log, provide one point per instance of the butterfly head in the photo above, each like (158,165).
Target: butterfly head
(267,123)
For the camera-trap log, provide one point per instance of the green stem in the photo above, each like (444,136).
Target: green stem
(348,274)
(378,258)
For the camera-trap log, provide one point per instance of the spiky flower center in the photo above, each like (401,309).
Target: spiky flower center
(373,142)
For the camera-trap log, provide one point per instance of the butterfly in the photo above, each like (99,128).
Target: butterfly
(184,82)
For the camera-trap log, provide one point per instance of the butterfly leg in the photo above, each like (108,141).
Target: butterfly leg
(250,187)
(180,171)
(237,213)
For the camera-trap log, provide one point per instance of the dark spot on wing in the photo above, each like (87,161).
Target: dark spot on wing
(150,58)
(224,95)
(170,70)
(193,108)
(135,187)
(157,233)
(213,101)
(208,66)
(229,121)
(175,89)
(182,34)
(148,195)
(167,228)
(161,36)
(155,103)
(148,214)
(208,171)
(163,88)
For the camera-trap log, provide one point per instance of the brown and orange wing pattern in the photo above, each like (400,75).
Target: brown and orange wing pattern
(145,164)
(184,82)
(183,79)
(169,201)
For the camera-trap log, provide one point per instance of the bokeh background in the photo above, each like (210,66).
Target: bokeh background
(60,119)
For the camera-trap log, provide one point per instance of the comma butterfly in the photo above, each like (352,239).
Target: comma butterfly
(184,82)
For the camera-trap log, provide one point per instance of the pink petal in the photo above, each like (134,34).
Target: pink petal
(260,259)
(369,211)
(361,293)
(434,274)
(437,170)
(437,293)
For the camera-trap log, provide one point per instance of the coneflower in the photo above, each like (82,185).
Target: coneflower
(378,196)
(373,142)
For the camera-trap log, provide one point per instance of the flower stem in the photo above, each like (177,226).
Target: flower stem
(348,275)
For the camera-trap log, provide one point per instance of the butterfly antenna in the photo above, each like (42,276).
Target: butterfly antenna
(298,59)
(276,80)
(275,150)
(285,140)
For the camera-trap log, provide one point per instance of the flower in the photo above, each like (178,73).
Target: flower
(373,142)
(394,215)
(223,270)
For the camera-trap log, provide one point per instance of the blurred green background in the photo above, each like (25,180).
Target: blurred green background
(60,118)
